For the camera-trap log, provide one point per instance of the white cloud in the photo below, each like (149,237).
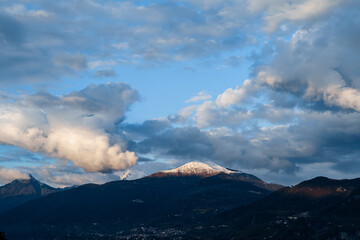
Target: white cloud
(297,11)
(101,64)
(20,10)
(235,96)
(7,175)
(80,127)
(201,96)
(343,97)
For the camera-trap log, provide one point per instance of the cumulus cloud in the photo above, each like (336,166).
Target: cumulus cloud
(235,96)
(7,175)
(343,97)
(79,127)
(318,62)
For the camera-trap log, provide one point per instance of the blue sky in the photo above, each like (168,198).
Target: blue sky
(92,89)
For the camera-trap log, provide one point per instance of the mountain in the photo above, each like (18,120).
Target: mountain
(194,169)
(193,201)
(319,208)
(22,190)
(203,170)
(163,203)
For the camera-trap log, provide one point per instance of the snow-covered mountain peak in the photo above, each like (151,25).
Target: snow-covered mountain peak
(198,169)
(222,169)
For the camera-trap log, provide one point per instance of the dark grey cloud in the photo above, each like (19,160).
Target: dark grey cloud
(108,73)
(348,164)
(148,128)
(73,61)
(229,149)
(316,137)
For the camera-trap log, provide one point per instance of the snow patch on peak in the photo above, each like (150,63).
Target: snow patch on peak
(198,168)
(222,169)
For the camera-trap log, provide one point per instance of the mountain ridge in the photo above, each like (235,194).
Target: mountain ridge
(200,201)
(20,191)
(287,213)
(168,202)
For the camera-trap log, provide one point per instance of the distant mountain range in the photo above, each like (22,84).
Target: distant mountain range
(193,201)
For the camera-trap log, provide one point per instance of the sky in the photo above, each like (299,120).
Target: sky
(91,90)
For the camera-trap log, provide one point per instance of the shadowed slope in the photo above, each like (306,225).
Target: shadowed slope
(22,190)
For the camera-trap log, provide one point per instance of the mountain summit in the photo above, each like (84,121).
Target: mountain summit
(22,190)
(195,169)
(203,170)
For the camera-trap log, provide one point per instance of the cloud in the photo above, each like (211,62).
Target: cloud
(304,10)
(233,61)
(31,56)
(74,61)
(7,175)
(148,128)
(235,96)
(299,110)
(209,115)
(201,96)
(343,97)
(128,33)
(131,32)
(105,73)
(79,127)
(231,149)
(318,62)
(21,11)
(308,137)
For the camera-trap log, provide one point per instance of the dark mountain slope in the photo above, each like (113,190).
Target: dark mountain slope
(290,213)
(117,208)
(22,190)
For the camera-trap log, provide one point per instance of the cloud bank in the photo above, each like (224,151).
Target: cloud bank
(135,33)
